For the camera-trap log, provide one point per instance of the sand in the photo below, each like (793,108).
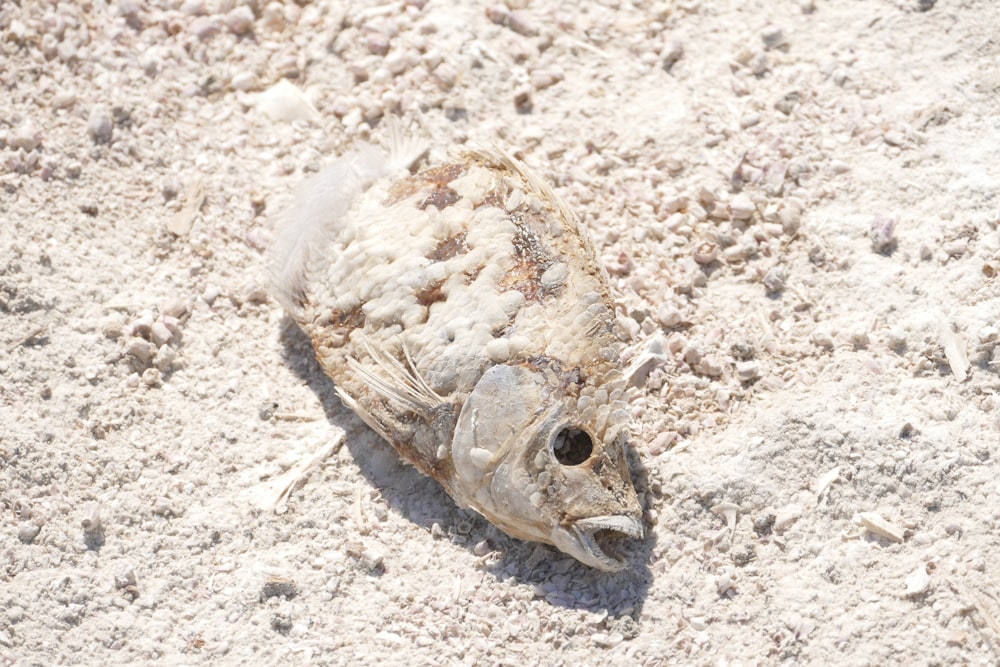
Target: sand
(796,202)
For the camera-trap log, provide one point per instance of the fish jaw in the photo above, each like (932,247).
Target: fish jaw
(583,539)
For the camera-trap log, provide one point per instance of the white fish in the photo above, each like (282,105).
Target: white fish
(462,313)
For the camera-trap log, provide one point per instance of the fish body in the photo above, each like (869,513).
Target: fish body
(462,313)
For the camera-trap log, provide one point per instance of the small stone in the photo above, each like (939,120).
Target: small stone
(918,582)
(204,27)
(159,334)
(823,337)
(99,124)
(193,7)
(256,294)
(125,578)
(26,136)
(773,37)
(278,587)
(523,23)
(859,339)
(141,350)
(673,51)
(27,531)
(152,377)
(894,138)
(522,100)
(747,371)
(239,20)
(497,13)
(774,280)
(790,218)
(896,340)
(883,235)
(377,43)
(165,358)
(273,17)
(742,207)
(372,559)
(710,366)
(668,316)
(177,308)
(210,294)
(244,81)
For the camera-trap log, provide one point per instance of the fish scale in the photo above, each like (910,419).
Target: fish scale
(462,313)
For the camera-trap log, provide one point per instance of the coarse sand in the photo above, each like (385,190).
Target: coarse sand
(797,203)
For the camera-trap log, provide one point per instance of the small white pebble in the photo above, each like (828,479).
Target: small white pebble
(240,20)
(26,136)
(823,337)
(100,124)
(747,370)
(742,207)
(159,334)
(917,582)
(523,23)
(859,339)
(896,340)
(151,377)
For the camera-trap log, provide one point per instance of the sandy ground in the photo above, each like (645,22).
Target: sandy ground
(796,200)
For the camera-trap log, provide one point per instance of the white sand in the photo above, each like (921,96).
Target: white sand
(806,200)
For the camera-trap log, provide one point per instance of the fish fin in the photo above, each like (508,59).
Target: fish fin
(401,384)
(318,212)
(352,404)
(405,147)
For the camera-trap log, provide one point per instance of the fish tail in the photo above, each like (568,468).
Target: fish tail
(317,213)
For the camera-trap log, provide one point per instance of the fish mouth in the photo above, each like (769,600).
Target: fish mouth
(599,537)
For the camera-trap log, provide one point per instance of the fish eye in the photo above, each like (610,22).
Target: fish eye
(572,447)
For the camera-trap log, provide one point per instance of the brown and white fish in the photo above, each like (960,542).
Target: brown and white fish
(462,313)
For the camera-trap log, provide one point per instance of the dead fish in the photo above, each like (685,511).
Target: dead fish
(462,313)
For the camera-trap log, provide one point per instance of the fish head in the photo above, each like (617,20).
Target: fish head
(539,468)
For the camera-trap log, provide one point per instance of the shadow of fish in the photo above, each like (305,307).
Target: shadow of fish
(462,313)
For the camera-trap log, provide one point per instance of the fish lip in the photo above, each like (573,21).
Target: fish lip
(584,529)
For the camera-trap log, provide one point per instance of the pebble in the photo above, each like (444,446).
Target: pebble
(244,81)
(240,20)
(100,124)
(204,28)
(210,294)
(141,325)
(918,582)
(747,371)
(742,207)
(165,358)
(284,101)
(27,531)
(774,280)
(710,366)
(896,340)
(26,136)
(176,308)
(662,442)
(773,37)
(523,23)
(823,337)
(497,13)
(159,334)
(859,339)
(152,377)
(377,43)
(673,51)
(193,7)
(883,235)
